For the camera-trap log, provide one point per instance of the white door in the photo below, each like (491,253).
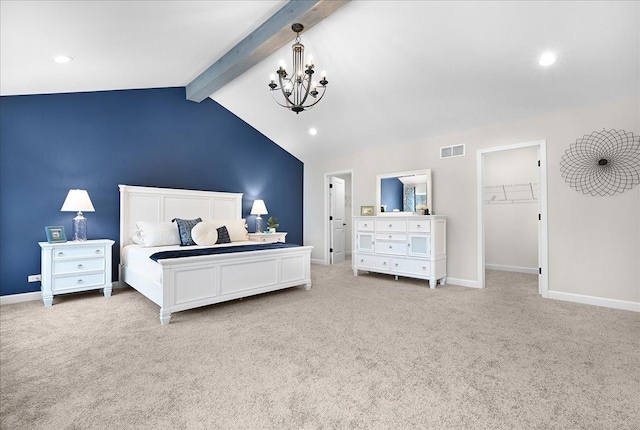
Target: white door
(336,217)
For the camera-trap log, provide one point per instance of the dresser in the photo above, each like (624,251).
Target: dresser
(411,246)
(268,237)
(75,266)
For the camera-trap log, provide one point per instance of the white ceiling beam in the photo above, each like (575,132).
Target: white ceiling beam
(262,42)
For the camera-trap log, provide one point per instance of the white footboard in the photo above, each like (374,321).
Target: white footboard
(199,281)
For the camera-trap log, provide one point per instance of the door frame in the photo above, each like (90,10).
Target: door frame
(326,223)
(543,233)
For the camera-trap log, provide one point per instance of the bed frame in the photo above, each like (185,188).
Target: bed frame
(192,282)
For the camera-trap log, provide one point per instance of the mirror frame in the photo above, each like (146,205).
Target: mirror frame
(379,179)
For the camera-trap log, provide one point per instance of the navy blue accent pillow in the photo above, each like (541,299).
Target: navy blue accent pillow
(184,228)
(223,235)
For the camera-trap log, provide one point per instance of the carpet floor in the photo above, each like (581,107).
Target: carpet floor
(364,352)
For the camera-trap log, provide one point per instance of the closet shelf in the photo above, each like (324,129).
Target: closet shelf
(511,193)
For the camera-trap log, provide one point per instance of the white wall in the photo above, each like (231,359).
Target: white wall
(594,242)
(511,227)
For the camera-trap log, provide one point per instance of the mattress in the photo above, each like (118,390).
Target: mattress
(136,257)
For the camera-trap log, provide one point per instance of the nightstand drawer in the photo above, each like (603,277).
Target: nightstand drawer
(63,253)
(78,266)
(75,282)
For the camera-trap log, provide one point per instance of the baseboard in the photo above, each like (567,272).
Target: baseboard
(595,301)
(462,282)
(11,299)
(19,298)
(502,267)
(317,261)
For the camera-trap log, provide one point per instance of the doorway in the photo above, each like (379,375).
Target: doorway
(514,193)
(338,216)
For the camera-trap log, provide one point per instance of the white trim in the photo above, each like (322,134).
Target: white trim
(19,298)
(318,261)
(327,225)
(462,282)
(595,301)
(543,229)
(11,299)
(518,269)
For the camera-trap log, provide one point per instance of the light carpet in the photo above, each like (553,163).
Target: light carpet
(364,352)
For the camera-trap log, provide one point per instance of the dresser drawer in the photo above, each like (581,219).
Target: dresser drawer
(390,247)
(391,225)
(391,236)
(364,225)
(373,262)
(78,266)
(63,253)
(413,267)
(79,281)
(420,226)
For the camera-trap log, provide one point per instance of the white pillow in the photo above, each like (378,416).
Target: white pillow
(205,233)
(236,227)
(156,234)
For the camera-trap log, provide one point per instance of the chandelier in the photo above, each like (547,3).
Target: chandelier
(297,88)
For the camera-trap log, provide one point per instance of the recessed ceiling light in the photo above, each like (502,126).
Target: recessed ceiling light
(313,131)
(547,59)
(62,59)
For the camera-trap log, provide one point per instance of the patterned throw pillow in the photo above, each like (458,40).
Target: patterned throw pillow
(184,227)
(223,235)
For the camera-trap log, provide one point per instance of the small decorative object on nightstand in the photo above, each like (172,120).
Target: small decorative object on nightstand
(75,266)
(268,237)
(272,224)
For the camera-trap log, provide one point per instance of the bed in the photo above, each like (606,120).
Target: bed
(178,284)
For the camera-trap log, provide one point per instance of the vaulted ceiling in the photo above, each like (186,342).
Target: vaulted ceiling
(398,71)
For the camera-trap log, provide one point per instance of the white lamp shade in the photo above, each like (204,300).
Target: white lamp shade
(77,201)
(259,208)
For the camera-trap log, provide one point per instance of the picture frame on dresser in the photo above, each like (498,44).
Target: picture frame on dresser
(55,234)
(366,210)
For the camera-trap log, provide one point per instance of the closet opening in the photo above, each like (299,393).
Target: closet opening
(512,213)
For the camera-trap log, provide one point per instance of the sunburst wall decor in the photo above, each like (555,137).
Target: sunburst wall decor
(602,163)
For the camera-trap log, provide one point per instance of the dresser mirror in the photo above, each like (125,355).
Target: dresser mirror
(404,193)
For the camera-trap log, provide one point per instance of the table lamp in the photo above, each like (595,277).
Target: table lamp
(259,208)
(78,200)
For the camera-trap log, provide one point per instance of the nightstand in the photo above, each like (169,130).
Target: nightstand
(268,237)
(75,266)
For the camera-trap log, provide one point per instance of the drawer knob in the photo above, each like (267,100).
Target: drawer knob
(80,281)
(396,264)
(390,236)
(390,246)
(362,260)
(390,225)
(424,268)
(60,254)
(419,226)
(384,263)
(80,266)
(365,225)
(98,251)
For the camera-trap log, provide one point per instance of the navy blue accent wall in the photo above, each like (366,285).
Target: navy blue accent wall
(391,193)
(50,144)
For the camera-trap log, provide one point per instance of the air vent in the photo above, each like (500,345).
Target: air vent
(452,151)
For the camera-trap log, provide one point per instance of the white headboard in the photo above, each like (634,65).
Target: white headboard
(164,204)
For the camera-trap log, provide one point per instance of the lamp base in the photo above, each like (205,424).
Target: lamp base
(258,224)
(80,228)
